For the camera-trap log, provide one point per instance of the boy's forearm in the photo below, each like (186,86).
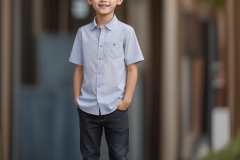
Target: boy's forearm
(130,85)
(77,82)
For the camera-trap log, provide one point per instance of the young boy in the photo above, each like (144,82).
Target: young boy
(106,53)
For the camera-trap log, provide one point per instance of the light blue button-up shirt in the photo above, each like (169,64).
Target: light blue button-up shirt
(104,54)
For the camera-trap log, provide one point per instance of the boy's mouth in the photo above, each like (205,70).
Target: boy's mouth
(103,5)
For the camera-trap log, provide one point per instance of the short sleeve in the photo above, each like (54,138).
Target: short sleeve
(132,50)
(76,55)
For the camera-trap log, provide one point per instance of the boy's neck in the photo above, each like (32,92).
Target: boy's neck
(102,20)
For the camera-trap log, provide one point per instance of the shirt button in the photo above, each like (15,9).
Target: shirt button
(98,72)
(102,33)
(100,45)
(98,86)
(98,97)
(100,58)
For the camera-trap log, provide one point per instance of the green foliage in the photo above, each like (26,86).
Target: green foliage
(215,4)
(230,152)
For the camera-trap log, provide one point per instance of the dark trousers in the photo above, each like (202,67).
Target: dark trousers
(116,128)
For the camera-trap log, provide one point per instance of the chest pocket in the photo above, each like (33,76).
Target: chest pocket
(115,49)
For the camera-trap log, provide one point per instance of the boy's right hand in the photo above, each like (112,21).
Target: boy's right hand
(76,106)
(75,101)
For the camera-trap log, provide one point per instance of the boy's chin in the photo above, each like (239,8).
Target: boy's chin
(104,12)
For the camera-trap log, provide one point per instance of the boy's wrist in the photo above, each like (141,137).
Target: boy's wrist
(75,99)
(127,100)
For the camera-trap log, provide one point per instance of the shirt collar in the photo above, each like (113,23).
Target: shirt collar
(110,25)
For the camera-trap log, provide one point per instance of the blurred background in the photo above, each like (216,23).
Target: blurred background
(186,102)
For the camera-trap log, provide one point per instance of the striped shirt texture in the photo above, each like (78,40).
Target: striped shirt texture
(104,54)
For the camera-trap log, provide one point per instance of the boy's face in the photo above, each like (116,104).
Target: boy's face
(108,5)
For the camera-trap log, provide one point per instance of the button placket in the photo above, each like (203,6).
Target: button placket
(100,53)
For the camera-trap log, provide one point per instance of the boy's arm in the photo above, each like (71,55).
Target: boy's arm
(131,82)
(77,82)
(132,56)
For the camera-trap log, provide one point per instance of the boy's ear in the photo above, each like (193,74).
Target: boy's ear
(89,2)
(119,2)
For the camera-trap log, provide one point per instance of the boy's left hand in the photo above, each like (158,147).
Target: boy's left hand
(122,105)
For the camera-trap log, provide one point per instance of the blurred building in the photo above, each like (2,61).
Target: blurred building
(186,99)
(199,96)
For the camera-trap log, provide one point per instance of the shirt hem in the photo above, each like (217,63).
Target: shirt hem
(96,114)
(76,62)
(138,60)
